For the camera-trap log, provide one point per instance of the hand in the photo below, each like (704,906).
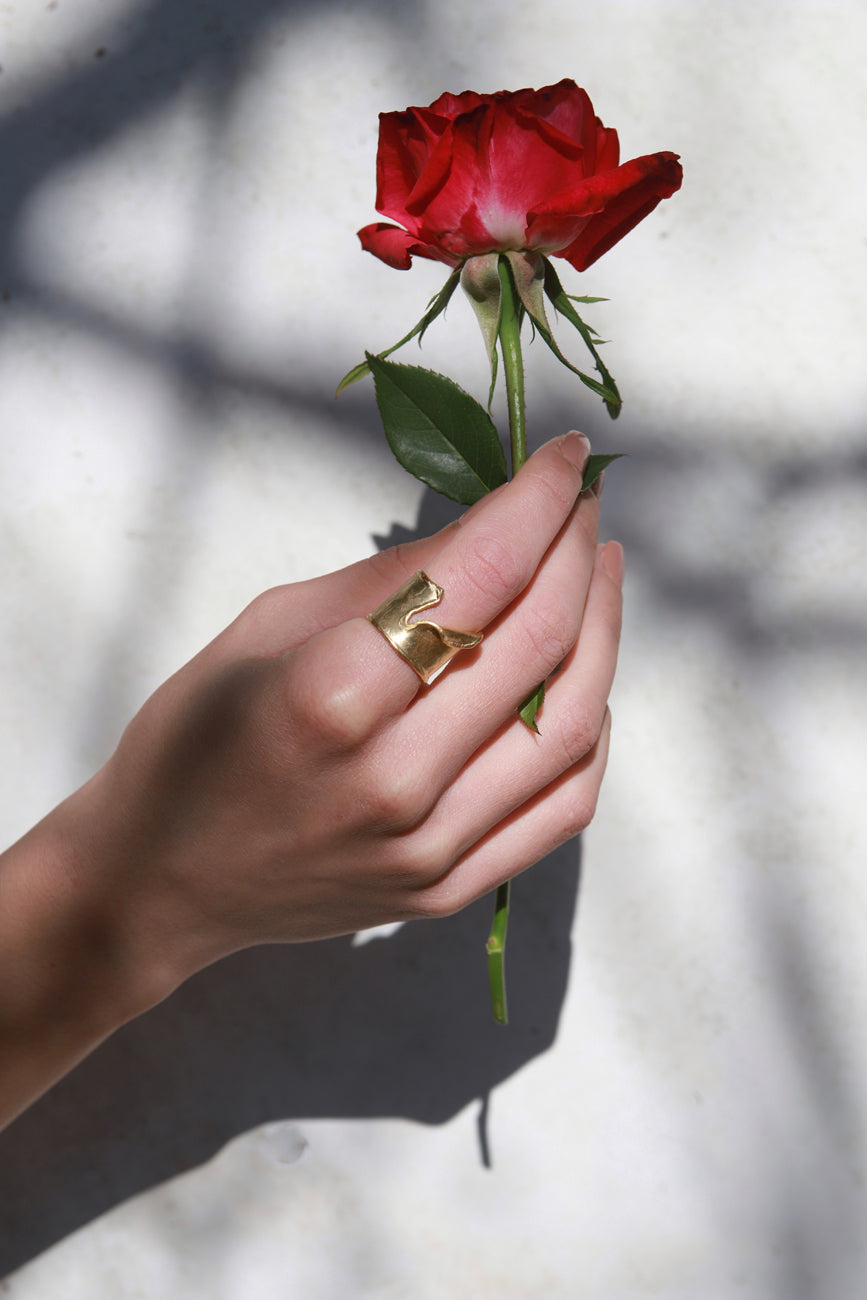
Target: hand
(295,780)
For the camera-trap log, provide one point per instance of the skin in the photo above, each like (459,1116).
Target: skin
(296,781)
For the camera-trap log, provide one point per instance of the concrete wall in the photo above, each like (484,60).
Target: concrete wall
(677,1109)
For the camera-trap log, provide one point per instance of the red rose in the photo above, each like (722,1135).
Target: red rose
(525,170)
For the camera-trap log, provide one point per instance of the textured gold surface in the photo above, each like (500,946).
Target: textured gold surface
(426,646)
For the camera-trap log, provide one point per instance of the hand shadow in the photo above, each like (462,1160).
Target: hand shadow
(398,1027)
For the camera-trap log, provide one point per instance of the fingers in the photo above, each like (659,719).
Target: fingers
(483,564)
(516,765)
(519,651)
(285,617)
(493,556)
(540,825)
(353,592)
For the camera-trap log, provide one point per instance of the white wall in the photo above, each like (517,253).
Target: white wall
(677,1109)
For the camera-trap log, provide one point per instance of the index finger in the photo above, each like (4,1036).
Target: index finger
(486,564)
(351,673)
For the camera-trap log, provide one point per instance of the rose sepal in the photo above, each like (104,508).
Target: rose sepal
(531,274)
(480,281)
(435,307)
(562,302)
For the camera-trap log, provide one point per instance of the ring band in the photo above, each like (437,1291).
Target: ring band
(424,645)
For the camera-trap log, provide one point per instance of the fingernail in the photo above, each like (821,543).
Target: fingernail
(612,561)
(595,488)
(575,447)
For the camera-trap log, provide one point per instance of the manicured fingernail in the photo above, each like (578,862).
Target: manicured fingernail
(597,485)
(575,447)
(612,561)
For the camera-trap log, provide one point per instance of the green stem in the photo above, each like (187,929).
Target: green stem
(496,948)
(513,369)
(513,365)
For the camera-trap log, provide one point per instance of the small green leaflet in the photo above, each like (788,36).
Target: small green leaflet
(529,709)
(563,304)
(594,467)
(437,431)
(435,307)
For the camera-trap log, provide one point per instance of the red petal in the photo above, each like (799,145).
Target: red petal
(444,204)
(451,105)
(613,201)
(489,168)
(565,107)
(397,247)
(406,141)
(607,148)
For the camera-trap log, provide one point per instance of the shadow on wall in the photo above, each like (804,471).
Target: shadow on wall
(149,57)
(396,1027)
(139,63)
(399,1027)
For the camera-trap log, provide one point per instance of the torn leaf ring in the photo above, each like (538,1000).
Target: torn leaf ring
(424,645)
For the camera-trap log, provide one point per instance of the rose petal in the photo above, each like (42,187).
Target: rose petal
(567,109)
(406,141)
(490,166)
(613,201)
(397,247)
(450,106)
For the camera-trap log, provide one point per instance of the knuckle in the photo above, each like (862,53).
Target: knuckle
(551,632)
(397,801)
(269,604)
(434,907)
(580,815)
(413,865)
(256,624)
(333,717)
(392,565)
(580,730)
(438,901)
(426,858)
(494,568)
(557,491)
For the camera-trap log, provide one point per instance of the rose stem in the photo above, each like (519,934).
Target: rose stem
(513,369)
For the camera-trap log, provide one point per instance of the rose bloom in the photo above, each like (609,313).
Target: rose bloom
(526,170)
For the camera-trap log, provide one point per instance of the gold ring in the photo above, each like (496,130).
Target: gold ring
(424,645)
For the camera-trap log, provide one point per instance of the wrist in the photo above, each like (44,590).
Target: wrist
(70,970)
(110,902)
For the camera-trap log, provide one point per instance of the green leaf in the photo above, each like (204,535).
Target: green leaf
(435,307)
(437,431)
(594,467)
(356,373)
(529,710)
(529,287)
(607,393)
(563,303)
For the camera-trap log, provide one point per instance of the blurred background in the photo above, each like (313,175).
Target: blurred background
(677,1109)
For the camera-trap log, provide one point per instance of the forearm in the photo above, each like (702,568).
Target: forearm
(66,980)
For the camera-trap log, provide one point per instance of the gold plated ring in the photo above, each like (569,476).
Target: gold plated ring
(424,645)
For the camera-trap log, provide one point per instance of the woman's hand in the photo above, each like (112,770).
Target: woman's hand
(295,780)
